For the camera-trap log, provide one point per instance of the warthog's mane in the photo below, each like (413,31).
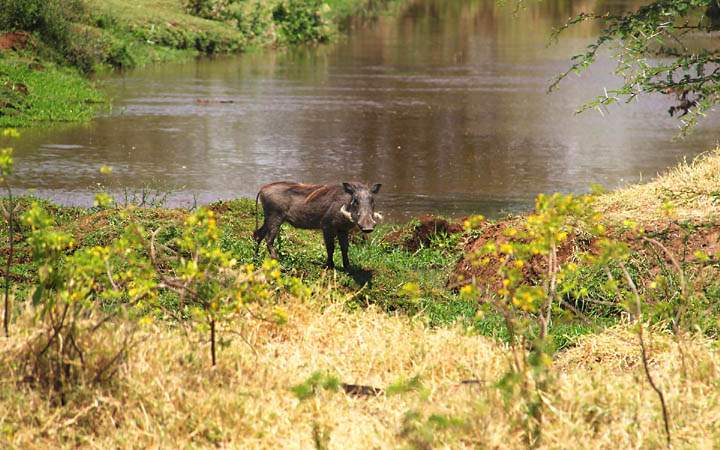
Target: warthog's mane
(320,191)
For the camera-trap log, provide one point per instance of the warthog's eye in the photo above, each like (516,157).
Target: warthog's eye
(354,202)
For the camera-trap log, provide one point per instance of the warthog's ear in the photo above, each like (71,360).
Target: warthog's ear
(376,188)
(349,188)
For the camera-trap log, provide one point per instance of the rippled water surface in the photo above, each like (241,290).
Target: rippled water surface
(444,103)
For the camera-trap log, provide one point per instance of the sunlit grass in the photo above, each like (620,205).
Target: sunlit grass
(688,191)
(167,396)
(48,94)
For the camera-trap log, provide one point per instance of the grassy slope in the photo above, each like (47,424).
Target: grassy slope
(692,188)
(55,94)
(126,34)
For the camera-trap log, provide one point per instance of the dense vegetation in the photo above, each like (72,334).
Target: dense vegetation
(48,49)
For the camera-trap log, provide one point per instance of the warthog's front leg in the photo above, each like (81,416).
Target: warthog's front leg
(344,243)
(329,236)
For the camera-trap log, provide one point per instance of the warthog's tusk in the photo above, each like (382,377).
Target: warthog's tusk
(345,213)
(378,216)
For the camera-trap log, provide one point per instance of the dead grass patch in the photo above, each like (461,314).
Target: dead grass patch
(692,188)
(166,395)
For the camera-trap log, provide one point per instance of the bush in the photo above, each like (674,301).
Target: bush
(254,21)
(297,21)
(302,21)
(55,22)
(209,9)
(51,19)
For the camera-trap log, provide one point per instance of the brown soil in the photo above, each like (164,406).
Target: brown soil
(90,224)
(422,234)
(219,207)
(681,242)
(16,40)
(101,221)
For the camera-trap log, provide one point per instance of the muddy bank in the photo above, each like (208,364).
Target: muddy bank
(685,242)
(423,231)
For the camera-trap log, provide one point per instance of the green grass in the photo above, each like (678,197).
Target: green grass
(151,25)
(35,94)
(380,268)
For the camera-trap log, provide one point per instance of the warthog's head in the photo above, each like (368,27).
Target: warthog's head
(361,209)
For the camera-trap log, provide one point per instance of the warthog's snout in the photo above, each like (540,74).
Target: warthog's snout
(367,221)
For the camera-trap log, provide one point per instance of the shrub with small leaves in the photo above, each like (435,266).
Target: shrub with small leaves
(528,306)
(212,287)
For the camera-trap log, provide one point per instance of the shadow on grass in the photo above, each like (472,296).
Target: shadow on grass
(363,277)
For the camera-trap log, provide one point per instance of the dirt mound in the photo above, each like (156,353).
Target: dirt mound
(219,207)
(682,241)
(422,234)
(487,274)
(16,40)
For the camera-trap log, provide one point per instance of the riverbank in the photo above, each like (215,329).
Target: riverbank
(393,352)
(420,266)
(50,55)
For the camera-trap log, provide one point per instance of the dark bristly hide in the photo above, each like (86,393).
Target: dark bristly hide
(334,208)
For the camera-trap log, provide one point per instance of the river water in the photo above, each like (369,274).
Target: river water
(444,103)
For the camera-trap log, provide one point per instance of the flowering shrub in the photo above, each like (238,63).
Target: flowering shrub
(78,291)
(212,287)
(528,306)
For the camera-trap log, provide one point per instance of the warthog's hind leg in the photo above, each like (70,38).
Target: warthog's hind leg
(259,235)
(273,228)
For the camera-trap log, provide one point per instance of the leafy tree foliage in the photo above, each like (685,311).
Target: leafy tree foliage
(665,47)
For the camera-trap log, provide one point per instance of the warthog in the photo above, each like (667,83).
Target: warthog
(334,209)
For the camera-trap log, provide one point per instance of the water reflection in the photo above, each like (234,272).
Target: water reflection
(445,104)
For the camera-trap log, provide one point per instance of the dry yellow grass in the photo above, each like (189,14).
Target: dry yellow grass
(167,396)
(693,189)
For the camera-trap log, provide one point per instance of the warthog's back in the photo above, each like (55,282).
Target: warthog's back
(289,188)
